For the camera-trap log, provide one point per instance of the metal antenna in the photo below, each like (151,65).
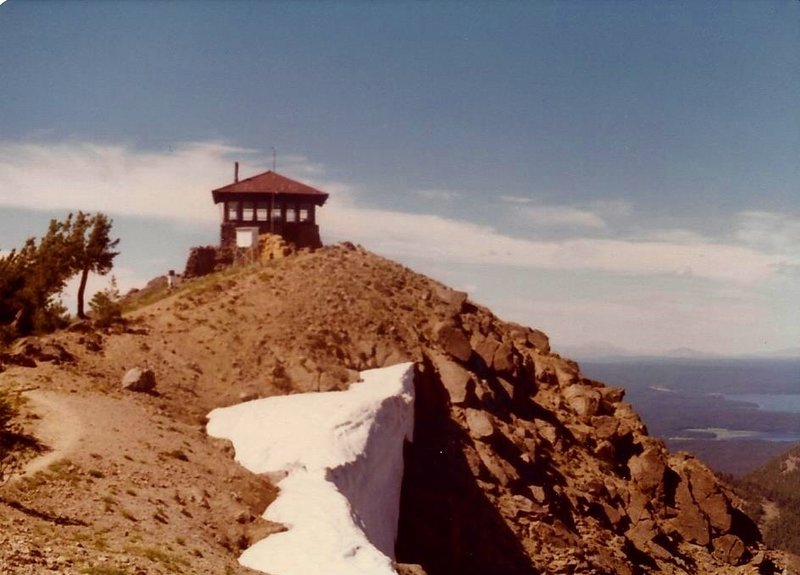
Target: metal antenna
(274,154)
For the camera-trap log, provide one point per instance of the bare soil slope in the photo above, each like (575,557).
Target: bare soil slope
(520,464)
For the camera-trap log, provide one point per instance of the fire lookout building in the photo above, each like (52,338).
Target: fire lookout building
(269,203)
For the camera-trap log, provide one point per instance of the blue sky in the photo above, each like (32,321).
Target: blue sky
(624,173)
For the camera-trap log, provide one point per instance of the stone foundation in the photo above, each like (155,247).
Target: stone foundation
(204,260)
(302,235)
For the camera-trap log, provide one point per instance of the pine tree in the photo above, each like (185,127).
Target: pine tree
(92,252)
(32,277)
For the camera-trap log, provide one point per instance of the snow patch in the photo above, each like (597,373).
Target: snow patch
(343,452)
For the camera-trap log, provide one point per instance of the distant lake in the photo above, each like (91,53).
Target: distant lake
(739,377)
(735,414)
(777,402)
(723,434)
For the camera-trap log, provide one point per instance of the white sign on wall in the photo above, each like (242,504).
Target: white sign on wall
(246,237)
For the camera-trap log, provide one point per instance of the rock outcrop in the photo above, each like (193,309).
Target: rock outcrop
(557,467)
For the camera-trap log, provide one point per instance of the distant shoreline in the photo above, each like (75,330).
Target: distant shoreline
(735,413)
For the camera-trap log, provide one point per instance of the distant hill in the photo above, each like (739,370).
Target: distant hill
(789,352)
(599,350)
(689,353)
(602,351)
(773,495)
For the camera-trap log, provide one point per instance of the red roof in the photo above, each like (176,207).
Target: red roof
(270,183)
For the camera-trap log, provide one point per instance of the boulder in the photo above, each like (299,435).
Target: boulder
(566,374)
(456,380)
(643,535)
(547,431)
(503,359)
(479,424)
(730,549)
(499,469)
(485,348)
(690,523)
(611,395)
(386,355)
(647,470)
(539,340)
(545,373)
(538,493)
(454,299)
(583,400)
(302,376)
(613,515)
(141,380)
(606,451)
(637,507)
(409,569)
(605,426)
(709,497)
(507,387)
(453,341)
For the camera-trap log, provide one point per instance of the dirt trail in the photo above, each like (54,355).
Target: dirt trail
(59,428)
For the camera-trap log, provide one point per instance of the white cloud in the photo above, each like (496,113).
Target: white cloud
(520,200)
(615,208)
(436,194)
(648,321)
(434,237)
(591,215)
(560,216)
(676,236)
(120,180)
(578,287)
(770,231)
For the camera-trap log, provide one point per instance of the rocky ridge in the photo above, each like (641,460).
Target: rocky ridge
(520,463)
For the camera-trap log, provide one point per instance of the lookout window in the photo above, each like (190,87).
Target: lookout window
(305,213)
(233,211)
(261,211)
(247,211)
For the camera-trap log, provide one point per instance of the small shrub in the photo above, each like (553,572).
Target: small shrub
(8,410)
(8,454)
(105,305)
